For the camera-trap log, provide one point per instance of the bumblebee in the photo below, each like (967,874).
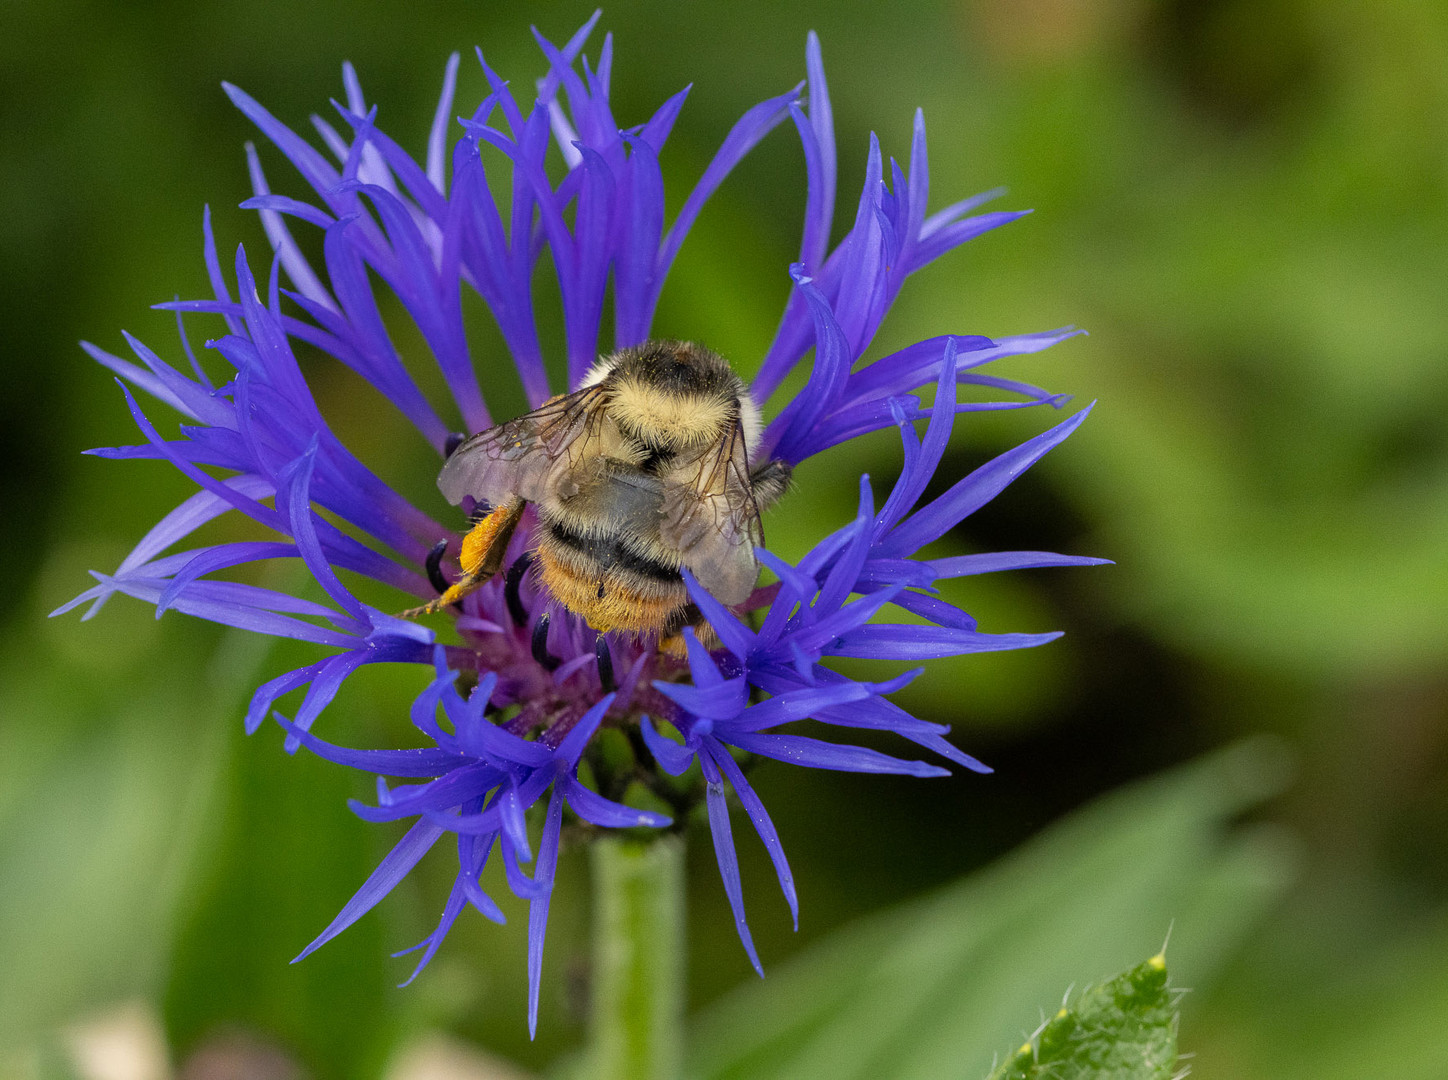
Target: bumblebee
(643,471)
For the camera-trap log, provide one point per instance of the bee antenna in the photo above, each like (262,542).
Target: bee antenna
(434,566)
(540,644)
(605,664)
(512,583)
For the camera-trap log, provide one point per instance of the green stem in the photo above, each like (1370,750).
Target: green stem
(636,1030)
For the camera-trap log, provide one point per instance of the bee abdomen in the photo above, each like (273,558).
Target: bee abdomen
(610,584)
(607,552)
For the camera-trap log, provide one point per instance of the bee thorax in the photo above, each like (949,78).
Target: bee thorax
(660,417)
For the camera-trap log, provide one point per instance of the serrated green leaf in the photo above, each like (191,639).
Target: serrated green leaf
(1123,1029)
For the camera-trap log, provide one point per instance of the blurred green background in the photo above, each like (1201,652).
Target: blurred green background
(1244,201)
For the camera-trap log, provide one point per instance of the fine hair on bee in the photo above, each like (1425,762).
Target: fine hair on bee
(647,469)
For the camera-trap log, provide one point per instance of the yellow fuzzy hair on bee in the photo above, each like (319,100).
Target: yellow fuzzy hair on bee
(679,419)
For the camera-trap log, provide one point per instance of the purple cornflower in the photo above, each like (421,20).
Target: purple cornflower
(528,685)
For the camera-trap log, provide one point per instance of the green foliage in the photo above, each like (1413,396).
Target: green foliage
(1372,1012)
(1123,1029)
(929,989)
(105,799)
(285,859)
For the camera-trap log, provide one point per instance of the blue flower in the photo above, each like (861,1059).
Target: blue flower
(536,683)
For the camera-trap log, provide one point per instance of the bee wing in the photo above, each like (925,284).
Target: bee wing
(517,458)
(711,520)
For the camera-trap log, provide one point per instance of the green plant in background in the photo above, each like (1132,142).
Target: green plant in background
(938,986)
(1124,1028)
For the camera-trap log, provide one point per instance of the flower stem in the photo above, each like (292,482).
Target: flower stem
(636,1030)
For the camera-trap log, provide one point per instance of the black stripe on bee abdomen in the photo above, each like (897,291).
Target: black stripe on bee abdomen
(658,459)
(609,552)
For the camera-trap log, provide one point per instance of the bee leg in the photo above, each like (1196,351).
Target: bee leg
(769,482)
(481,557)
(671,638)
(674,645)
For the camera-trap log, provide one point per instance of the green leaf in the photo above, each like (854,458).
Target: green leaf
(1124,1029)
(931,988)
(1355,1012)
(107,779)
